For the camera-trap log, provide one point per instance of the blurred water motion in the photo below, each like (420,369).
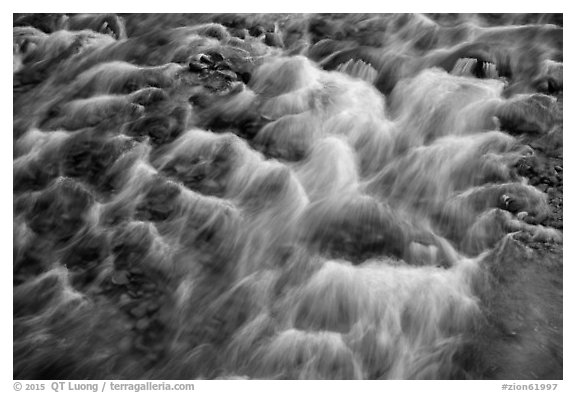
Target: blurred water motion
(269,196)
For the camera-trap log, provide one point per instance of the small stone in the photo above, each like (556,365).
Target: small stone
(138,311)
(534,180)
(542,187)
(227,74)
(153,307)
(136,271)
(224,65)
(125,300)
(215,56)
(557,224)
(133,294)
(125,344)
(245,77)
(120,277)
(142,324)
(558,168)
(196,66)
(273,39)
(202,58)
(239,33)
(256,31)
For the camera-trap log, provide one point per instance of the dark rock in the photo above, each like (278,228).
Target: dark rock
(130,243)
(245,77)
(196,66)
(216,31)
(158,128)
(227,74)
(239,33)
(89,249)
(60,211)
(273,39)
(36,175)
(215,56)
(536,113)
(224,65)
(204,59)
(149,96)
(534,180)
(256,31)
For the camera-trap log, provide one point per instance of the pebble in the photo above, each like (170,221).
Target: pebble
(256,31)
(202,58)
(133,294)
(136,271)
(272,39)
(230,75)
(224,65)
(138,311)
(125,344)
(153,307)
(125,300)
(245,77)
(240,33)
(196,66)
(142,324)
(120,277)
(215,57)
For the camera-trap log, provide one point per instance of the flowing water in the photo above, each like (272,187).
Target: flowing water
(269,196)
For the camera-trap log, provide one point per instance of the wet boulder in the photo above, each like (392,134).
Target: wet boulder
(197,66)
(131,243)
(531,114)
(60,211)
(34,175)
(87,157)
(160,128)
(256,31)
(355,228)
(149,96)
(550,80)
(160,201)
(109,24)
(273,39)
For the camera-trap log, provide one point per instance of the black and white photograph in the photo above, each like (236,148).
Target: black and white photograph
(287,196)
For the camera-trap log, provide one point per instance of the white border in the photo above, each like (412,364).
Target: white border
(244,6)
